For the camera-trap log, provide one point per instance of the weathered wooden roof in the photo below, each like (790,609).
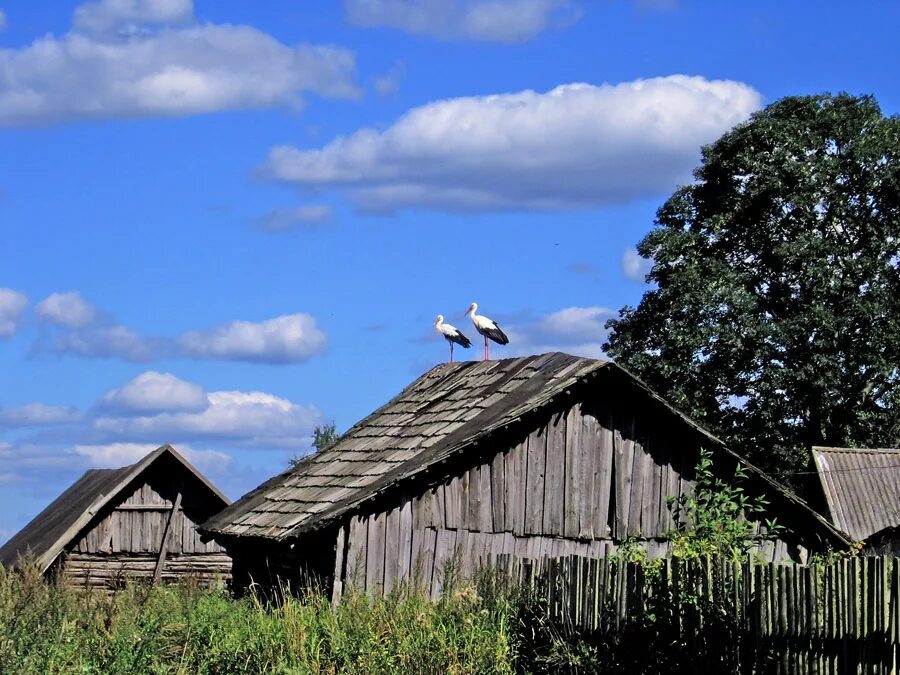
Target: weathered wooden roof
(451,407)
(862,488)
(45,537)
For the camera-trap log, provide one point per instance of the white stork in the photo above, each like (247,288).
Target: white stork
(488,328)
(452,334)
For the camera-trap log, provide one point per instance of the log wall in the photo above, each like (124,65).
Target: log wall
(581,482)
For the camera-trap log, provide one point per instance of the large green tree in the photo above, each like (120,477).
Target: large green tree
(774,310)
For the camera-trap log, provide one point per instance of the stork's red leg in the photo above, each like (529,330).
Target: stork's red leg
(451,352)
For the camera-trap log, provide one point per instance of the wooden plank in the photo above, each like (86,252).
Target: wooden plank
(443,550)
(498,493)
(164,543)
(391,548)
(375,554)
(577,483)
(452,503)
(483,518)
(475,496)
(602,432)
(515,487)
(534,481)
(337,587)
(554,505)
(641,463)
(624,465)
(404,560)
(587,467)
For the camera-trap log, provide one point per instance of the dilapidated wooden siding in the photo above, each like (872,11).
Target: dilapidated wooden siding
(137,521)
(587,478)
(126,541)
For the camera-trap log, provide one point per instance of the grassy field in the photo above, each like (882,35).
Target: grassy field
(50,629)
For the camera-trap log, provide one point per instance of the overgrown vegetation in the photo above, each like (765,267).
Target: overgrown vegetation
(718,517)
(46,628)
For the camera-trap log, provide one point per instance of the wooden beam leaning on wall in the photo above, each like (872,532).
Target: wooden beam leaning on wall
(164,544)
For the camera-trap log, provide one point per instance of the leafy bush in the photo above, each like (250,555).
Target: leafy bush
(715,517)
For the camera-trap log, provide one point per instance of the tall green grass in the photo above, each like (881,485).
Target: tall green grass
(48,628)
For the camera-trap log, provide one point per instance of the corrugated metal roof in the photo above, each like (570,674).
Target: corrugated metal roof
(448,409)
(52,529)
(862,488)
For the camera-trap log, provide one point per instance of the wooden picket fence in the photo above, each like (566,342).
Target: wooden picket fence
(841,617)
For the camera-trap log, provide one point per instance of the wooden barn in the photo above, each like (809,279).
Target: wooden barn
(536,456)
(139,521)
(861,494)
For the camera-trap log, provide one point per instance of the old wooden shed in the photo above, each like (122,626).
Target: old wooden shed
(535,456)
(139,521)
(861,493)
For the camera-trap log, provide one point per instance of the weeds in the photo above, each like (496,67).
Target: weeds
(48,628)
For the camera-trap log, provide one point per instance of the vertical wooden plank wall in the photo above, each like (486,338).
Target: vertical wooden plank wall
(127,540)
(579,483)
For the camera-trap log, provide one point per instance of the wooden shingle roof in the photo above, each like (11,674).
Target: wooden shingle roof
(451,407)
(47,535)
(862,488)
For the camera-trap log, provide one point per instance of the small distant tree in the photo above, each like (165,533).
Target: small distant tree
(324,435)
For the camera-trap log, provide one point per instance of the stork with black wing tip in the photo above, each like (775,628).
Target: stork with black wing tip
(488,329)
(452,334)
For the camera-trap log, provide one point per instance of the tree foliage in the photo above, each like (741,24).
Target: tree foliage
(774,316)
(323,436)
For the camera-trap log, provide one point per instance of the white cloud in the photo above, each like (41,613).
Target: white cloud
(634,266)
(79,329)
(152,391)
(507,21)
(12,306)
(38,414)
(576,146)
(252,418)
(115,455)
(3,24)
(389,83)
(574,330)
(284,339)
(129,16)
(107,342)
(66,309)
(142,58)
(283,220)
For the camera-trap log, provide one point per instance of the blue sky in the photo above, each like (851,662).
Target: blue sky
(224,222)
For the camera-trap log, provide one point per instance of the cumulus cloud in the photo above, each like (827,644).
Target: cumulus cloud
(115,455)
(66,309)
(38,414)
(106,342)
(284,220)
(506,21)
(152,391)
(634,266)
(76,328)
(142,58)
(129,16)
(12,306)
(249,418)
(576,146)
(284,339)
(574,330)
